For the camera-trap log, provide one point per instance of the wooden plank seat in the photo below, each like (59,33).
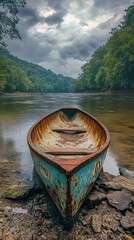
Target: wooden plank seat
(69,130)
(69,151)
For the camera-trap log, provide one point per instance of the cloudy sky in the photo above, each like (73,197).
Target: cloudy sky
(61,35)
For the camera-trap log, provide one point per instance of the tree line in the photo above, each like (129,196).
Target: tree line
(18,75)
(112,65)
(22,76)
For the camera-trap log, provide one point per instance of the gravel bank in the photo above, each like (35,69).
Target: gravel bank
(107,213)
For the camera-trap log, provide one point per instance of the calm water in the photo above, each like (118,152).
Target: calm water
(17,114)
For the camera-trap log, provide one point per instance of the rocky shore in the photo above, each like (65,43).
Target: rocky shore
(28,213)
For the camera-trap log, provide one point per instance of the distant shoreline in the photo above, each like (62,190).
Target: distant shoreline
(19,94)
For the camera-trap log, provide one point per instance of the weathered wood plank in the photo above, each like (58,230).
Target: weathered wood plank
(69,151)
(71,129)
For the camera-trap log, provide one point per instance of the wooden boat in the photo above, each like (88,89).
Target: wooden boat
(68,148)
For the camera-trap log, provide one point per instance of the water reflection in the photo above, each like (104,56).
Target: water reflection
(9,162)
(117,113)
(17,114)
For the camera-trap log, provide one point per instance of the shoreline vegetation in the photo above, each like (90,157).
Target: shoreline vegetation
(27,212)
(23,94)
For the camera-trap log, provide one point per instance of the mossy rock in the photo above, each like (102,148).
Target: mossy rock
(19,190)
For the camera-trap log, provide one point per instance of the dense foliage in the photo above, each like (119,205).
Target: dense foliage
(9,19)
(112,65)
(19,75)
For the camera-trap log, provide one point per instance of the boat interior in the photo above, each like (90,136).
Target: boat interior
(68,132)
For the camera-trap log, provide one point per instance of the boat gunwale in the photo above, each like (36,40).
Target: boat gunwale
(57,161)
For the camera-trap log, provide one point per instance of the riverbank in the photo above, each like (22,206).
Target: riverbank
(115,91)
(107,213)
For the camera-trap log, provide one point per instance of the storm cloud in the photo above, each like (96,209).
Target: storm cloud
(63,35)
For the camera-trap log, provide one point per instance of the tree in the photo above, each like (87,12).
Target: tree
(112,65)
(128,18)
(19,75)
(8,19)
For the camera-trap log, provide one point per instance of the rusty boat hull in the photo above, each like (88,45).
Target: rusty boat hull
(68,148)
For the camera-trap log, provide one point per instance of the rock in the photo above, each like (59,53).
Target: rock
(7,210)
(39,221)
(19,190)
(65,235)
(120,229)
(87,218)
(95,198)
(1,220)
(117,217)
(43,207)
(106,226)
(119,199)
(17,236)
(1,235)
(118,183)
(126,173)
(105,216)
(43,237)
(105,176)
(108,219)
(48,224)
(17,210)
(96,223)
(34,236)
(127,221)
(104,236)
(83,223)
(37,208)
(127,237)
(103,203)
(38,218)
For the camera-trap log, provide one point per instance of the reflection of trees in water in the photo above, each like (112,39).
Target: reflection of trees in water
(88,104)
(9,162)
(94,103)
(123,146)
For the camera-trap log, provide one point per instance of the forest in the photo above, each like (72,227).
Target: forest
(111,66)
(21,76)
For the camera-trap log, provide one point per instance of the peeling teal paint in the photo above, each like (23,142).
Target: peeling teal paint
(54,181)
(81,181)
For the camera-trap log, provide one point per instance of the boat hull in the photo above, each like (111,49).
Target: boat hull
(68,192)
(68,148)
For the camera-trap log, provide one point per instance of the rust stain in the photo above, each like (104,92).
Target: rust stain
(45,173)
(96,166)
(77,206)
(59,184)
(55,196)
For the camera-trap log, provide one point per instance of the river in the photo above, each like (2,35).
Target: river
(19,113)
